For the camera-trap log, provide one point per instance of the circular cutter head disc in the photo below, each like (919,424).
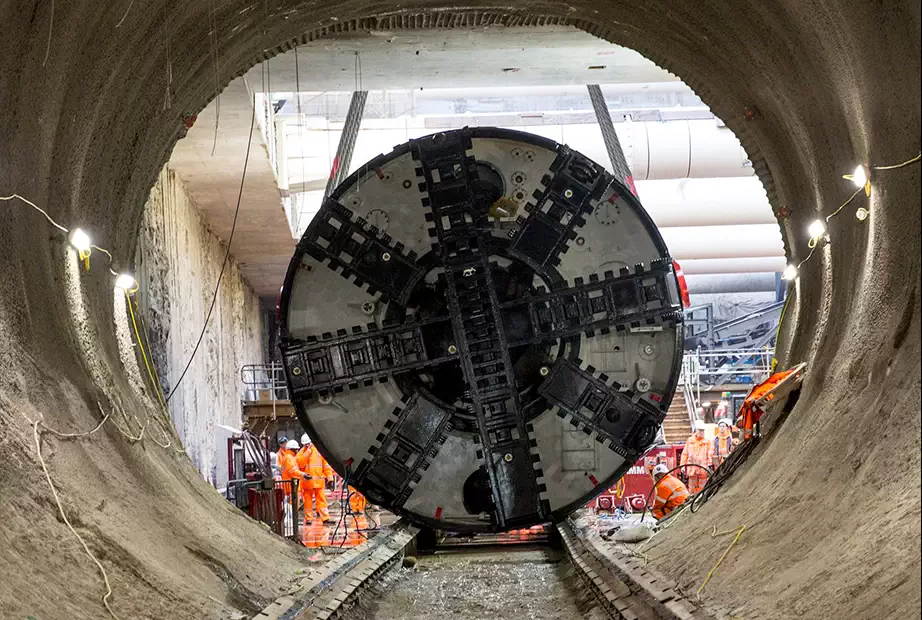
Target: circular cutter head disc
(481,330)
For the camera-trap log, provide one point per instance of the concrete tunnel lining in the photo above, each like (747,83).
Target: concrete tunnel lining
(827,86)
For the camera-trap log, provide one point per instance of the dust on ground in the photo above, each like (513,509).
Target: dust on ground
(538,584)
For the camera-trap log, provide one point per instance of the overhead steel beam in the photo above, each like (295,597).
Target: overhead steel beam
(347,141)
(612,144)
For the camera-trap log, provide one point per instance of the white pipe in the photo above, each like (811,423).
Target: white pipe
(682,149)
(654,149)
(733,265)
(661,149)
(574,90)
(744,241)
(705,202)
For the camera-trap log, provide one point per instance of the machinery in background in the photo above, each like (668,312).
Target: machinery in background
(254,489)
(632,492)
(733,353)
(247,458)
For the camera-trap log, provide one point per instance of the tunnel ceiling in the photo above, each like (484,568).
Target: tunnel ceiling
(462,56)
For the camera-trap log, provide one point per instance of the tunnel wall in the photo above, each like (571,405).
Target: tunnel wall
(94,97)
(177,263)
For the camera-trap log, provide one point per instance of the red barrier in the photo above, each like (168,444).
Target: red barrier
(637,482)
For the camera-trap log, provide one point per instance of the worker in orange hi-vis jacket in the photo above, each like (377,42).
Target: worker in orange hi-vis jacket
(697,452)
(280,453)
(670,492)
(357,502)
(722,444)
(288,463)
(320,475)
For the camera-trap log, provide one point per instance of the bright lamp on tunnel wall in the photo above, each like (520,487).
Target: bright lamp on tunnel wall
(860,178)
(816,229)
(862,214)
(790,273)
(126,283)
(80,240)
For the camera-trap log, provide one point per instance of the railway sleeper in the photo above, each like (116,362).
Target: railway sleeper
(332,588)
(621,582)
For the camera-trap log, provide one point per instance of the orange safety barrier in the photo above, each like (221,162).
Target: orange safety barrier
(750,413)
(314,535)
(346,533)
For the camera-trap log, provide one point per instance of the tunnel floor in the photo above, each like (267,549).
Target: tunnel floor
(499,584)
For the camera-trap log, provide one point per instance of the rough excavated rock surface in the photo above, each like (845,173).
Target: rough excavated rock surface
(179,260)
(92,100)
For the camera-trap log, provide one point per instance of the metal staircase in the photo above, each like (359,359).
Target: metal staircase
(676,426)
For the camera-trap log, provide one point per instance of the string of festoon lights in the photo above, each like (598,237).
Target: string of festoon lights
(84,246)
(861,177)
(125,282)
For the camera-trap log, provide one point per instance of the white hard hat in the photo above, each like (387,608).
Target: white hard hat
(305,439)
(723,421)
(661,468)
(292,444)
(700,426)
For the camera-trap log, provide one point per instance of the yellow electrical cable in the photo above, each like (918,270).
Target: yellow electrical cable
(784,308)
(715,534)
(75,435)
(814,240)
(150,373)
(812,250)
(844,204)
(153,375)
(895,166)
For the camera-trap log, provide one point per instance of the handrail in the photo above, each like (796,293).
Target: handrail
(688,394)
(264,378)
(690,405)
(716,367)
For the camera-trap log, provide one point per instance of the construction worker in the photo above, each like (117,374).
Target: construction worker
(751,412)
(356,520)
(320,475)
(357,501)
(282,441)
(288,463)
(670,492)
(697,453)
(280,453)
(722,445)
